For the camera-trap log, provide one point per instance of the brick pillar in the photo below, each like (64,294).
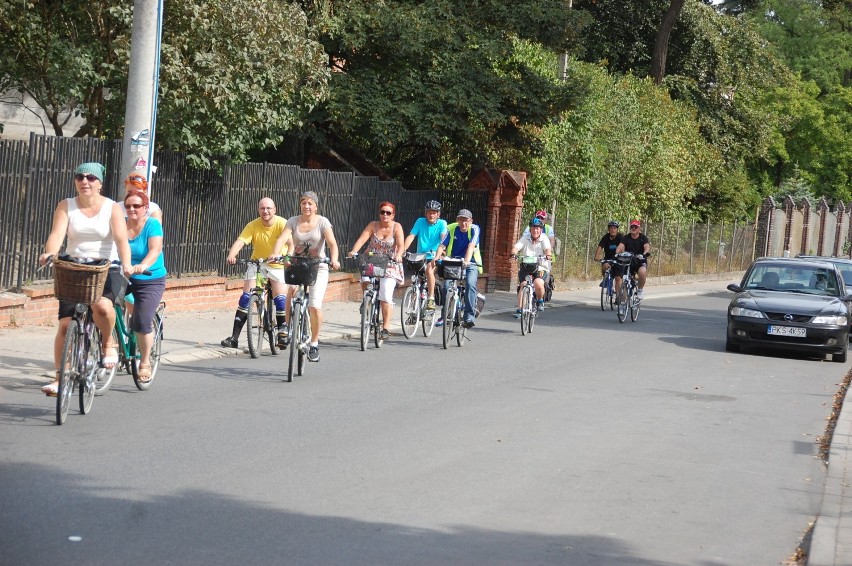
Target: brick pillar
(506,191)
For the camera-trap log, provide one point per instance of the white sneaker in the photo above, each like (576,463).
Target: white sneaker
(640,294)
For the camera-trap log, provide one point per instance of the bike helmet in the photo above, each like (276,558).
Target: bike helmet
(541,214)
(536,223)
(612,224)
(433,205)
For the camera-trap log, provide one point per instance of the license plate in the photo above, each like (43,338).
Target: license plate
(793,331)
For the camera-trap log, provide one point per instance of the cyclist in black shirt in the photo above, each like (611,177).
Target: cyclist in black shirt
(637,243)
(606,250)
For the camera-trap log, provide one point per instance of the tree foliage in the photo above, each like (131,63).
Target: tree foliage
(432,90)
(628,149)
(233,76)
(71,57)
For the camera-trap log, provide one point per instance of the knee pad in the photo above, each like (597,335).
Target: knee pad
(245,299)
(280,302)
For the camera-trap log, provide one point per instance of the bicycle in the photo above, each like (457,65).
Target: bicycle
(416,297)
(372,266)
(452,311)
(128,354)
(82,351)
(261,312)
(607,286)
(628,296)
(302,273)
(528,266)
(126,345)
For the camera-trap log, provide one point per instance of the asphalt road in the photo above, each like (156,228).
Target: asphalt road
(587,442)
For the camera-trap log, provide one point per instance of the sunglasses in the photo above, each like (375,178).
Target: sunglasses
(388,212)
(634,227)
(135,179)
(133,206)
(89,178)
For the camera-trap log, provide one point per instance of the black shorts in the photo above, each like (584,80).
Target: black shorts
(114,287)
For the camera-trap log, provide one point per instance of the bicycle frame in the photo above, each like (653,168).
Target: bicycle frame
(80,360)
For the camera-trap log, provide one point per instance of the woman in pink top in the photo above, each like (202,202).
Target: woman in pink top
(96,229)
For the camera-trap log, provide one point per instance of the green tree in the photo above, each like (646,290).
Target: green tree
(432,90)
(71,57)
(627,149)
(234,75)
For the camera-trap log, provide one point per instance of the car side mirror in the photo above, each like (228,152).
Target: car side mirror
(847,297)
(735,288)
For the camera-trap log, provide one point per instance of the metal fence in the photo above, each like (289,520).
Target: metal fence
(203,210)
(678,247)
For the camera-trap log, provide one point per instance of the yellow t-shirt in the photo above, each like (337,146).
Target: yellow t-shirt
(262,238)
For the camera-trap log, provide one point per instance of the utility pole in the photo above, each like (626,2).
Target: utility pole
(142,82)
(563,57)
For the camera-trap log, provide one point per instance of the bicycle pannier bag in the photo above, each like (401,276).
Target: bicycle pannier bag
(452,268)
(301,272)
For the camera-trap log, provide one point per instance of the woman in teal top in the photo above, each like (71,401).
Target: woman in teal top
(145,235)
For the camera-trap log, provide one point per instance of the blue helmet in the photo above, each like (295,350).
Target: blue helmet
(536,222)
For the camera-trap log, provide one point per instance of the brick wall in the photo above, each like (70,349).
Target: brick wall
(37,305)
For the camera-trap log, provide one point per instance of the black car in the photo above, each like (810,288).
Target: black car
(792,304)
(844,264)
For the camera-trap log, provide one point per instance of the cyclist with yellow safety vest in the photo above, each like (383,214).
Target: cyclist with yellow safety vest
(462,241)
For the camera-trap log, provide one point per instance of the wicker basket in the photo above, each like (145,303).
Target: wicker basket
(79,282)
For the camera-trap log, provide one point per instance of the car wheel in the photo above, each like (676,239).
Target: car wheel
(839,358)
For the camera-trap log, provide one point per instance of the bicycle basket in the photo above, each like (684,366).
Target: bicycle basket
(301,272)
(374,265)
(451,268)
(413,261)
(624,258)
(79,282)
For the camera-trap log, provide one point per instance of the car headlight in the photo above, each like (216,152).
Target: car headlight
(838,320)
(750,313)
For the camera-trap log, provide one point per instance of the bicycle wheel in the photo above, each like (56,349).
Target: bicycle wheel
(269,324)
(377,324)
(533,311)
(604,293)
(104,376)
(634,303)
(156,353)
(86,385)
(448,313)
(254,326)
(611,294)
(304,342)
(526,309)
(429,318)
(67,371)
(295,339)
(366,317)
(460,329)
(622,302)
(410,312)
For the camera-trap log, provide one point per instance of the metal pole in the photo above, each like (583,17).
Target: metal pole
(136,151)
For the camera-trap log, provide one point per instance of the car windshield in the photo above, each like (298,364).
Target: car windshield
(794,279)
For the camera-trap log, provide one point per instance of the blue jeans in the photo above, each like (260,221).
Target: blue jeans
(471,276)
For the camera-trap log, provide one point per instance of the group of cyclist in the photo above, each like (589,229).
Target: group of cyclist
(614,242)
(129,233)
(309,234)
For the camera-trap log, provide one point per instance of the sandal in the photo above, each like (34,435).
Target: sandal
(52,388)
(109,356)
(144,373)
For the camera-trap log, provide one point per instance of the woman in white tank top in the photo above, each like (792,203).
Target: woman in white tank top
(96,229)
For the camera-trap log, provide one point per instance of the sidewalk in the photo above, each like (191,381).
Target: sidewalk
(26,358)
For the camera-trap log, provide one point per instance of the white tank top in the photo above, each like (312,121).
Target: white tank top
(90,238)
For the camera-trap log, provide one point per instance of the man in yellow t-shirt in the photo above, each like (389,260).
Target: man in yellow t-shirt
(261,233)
